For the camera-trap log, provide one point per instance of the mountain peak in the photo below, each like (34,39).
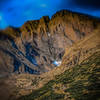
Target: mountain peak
(45,19)
(43,42)
(59,57)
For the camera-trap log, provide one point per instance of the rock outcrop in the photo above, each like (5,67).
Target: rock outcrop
(77,78)
(35,46)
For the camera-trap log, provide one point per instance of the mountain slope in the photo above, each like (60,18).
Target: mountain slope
(39,45)
(70,38)
(79,82)
(77,78)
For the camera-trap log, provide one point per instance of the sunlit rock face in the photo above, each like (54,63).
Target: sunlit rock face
(38,46)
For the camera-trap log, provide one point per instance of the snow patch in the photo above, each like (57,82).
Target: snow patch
(57,63)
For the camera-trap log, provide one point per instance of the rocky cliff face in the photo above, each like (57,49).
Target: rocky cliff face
(38,46)
(77,78)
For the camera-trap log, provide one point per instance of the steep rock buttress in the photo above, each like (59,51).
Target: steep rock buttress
(38,46)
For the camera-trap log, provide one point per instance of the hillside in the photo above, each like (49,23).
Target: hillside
(51,59)
(39,45)
(76,79)
(79,82)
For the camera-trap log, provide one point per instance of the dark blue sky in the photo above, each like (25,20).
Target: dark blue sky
(16,12)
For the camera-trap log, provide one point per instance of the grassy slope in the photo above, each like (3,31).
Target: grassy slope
(81,82)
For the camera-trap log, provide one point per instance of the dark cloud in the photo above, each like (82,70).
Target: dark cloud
(16,12)
(87,4)
(4,1)
(84,4)
(10,9)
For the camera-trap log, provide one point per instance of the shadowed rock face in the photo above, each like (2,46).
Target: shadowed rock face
(35,46)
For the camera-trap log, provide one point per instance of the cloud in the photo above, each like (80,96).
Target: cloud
(16,12)
(4,1)
(87,4)
(1,1)
(0,18)
(3,23)
(91,5)
(43,5)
